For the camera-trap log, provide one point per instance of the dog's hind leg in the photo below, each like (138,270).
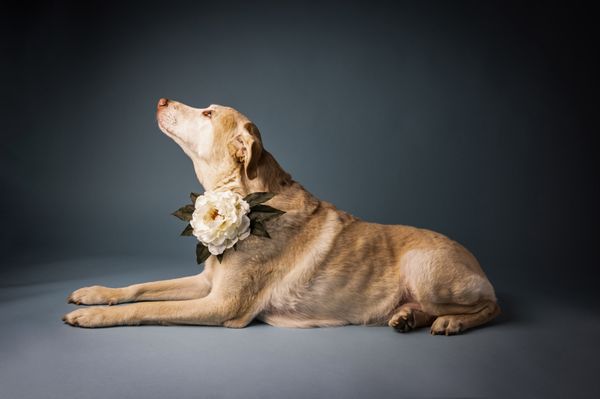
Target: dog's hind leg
(191,287)
(458,318)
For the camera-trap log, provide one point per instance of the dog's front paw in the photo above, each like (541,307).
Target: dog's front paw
(87,317)
(95,295)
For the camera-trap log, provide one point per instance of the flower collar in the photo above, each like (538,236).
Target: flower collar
(220,219)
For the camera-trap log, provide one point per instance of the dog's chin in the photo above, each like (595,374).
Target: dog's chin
(165,124)
(164,129)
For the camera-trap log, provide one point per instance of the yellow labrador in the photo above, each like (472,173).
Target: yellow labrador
(322,266)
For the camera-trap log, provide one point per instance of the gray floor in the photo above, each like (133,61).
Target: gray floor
(539,348)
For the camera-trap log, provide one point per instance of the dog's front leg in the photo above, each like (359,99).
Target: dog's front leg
(191,287)
(210,310)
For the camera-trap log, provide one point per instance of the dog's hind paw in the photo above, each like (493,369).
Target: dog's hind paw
(446,325)
(409,317)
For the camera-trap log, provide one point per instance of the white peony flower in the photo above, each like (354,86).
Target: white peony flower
(220,220)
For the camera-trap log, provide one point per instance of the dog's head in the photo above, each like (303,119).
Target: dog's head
(222,143)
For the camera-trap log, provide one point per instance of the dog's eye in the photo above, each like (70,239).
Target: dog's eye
(207,113)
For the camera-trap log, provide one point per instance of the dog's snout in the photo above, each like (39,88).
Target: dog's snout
(163,102)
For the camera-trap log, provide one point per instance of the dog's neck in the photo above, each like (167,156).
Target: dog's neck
(270,177)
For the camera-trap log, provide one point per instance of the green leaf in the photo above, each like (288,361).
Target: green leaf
(188,231)
(258,198)
(262,217)
(193,197)
(262,213)
(202,253)
(220,257)
(184,213)
(258,229)
(266,209)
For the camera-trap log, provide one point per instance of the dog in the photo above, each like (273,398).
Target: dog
(322,267)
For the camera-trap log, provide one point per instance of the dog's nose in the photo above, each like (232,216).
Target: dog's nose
(163,102)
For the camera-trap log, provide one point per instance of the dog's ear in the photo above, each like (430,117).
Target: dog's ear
(247,147)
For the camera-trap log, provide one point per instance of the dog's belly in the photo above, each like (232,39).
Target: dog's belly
(293,321)
(326,305)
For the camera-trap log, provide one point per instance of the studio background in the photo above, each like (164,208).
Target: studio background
(474,119)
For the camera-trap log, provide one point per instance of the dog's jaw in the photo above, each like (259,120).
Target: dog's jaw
(166,121)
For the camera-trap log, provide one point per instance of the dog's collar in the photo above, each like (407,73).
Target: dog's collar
(220,219)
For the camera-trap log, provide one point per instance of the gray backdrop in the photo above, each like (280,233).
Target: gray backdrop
(475,119)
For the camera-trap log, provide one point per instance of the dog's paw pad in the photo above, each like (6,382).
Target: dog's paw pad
(402,321)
